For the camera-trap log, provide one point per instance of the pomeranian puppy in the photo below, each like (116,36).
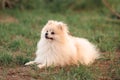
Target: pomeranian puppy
(56,47)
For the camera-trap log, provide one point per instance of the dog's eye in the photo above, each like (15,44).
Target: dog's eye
(52,33)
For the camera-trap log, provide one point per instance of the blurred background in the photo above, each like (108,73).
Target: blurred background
(59,5)
(52,5)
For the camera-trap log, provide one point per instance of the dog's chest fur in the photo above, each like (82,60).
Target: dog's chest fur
(53,53)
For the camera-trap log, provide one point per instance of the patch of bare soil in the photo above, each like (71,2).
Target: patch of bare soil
(7,19)
(18,73)
(108,67)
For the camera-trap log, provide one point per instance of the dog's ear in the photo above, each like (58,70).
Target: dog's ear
(63,27)
(60,26)
(50,21)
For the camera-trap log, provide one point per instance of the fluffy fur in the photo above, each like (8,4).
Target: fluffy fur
(56,47)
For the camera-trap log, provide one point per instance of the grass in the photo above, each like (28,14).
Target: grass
(18,44)
(5,58)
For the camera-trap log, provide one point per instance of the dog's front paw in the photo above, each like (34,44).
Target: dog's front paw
(29,63)
(41,66)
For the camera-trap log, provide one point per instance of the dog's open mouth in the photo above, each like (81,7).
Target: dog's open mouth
(48,38)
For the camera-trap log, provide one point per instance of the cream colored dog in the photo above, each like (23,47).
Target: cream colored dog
(56,47)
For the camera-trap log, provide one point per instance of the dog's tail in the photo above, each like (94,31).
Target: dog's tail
(87,51)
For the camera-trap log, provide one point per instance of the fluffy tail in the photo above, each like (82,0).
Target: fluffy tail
(87,52)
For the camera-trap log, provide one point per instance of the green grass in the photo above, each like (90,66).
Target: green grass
(68,73)
(18,43)
(5,58)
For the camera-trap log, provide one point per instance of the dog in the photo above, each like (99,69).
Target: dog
(56,47)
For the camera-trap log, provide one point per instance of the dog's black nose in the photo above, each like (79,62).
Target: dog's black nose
(46,34)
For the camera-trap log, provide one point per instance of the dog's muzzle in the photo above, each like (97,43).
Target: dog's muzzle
(46,36)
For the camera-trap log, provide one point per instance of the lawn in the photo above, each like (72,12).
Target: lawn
(20,32)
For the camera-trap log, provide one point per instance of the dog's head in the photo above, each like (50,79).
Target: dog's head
(54,30)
